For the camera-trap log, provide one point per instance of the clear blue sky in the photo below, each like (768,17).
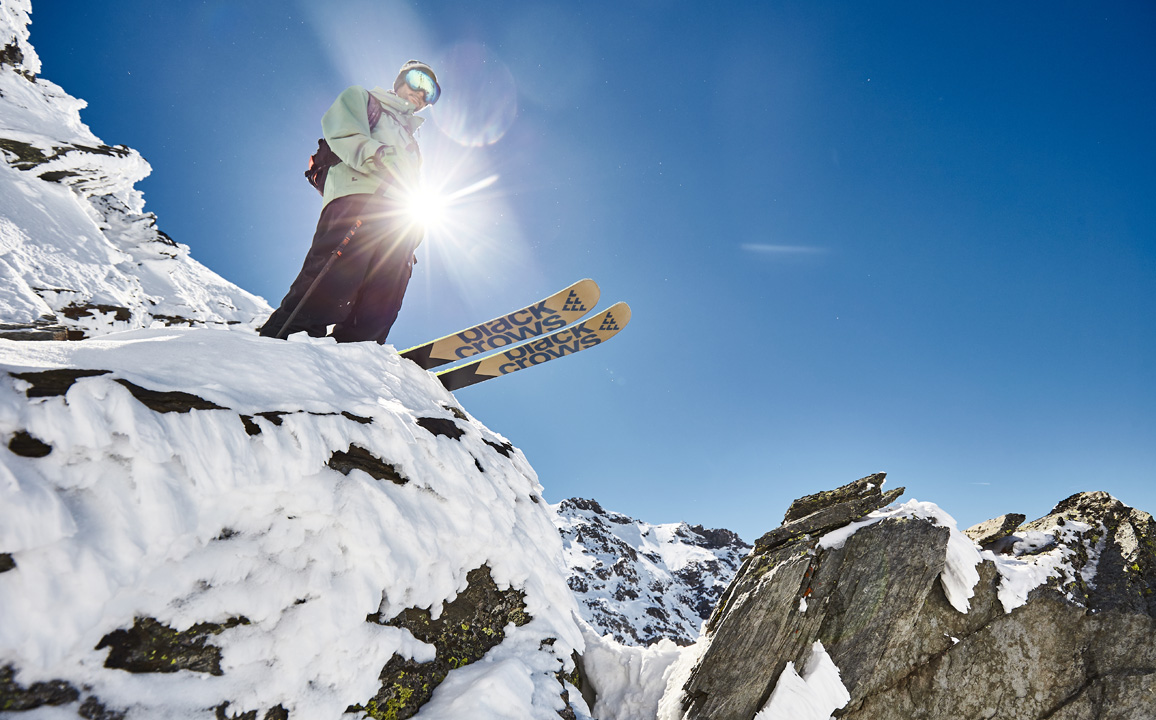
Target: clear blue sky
(856,237)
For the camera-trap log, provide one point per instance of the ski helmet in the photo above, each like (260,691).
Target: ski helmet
(417,65)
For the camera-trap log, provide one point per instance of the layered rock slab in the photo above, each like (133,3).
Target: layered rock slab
(1044,635)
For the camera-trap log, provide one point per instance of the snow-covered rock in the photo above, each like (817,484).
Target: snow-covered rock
(641,583)
(79,256)
(1052,619)
(200,523)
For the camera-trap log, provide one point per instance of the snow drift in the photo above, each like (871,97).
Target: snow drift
(301,512)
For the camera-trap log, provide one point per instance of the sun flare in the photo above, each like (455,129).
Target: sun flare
(427,207)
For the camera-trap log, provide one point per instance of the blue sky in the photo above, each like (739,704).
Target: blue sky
(856,237)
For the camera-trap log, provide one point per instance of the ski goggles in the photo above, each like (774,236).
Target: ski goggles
(420,80)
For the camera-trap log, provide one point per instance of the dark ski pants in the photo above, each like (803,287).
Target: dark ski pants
(361,293)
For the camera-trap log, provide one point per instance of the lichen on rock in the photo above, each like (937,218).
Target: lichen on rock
(151,647)
(468,627)
(16,697)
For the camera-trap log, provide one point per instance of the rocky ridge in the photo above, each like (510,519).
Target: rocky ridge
(1053,619)
(639,582)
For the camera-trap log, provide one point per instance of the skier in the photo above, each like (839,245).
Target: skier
(378,163)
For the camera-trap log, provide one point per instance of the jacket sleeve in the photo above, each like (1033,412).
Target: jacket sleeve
(346,128)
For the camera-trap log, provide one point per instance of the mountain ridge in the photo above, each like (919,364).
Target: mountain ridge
(639,582)
(79,256)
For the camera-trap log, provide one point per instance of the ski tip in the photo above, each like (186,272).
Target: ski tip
(619,312)
(586,292)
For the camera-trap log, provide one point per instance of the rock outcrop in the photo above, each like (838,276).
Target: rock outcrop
(639,582)
(922,623)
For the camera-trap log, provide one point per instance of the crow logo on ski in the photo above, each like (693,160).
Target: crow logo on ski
(574,303)
(609,324)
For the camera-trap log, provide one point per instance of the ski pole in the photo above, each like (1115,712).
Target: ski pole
(313,286)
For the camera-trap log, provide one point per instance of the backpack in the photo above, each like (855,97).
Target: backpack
(325,158)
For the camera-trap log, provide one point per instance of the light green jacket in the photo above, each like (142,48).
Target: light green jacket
(388,156)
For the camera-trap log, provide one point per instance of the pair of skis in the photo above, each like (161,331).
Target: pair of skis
(529,336)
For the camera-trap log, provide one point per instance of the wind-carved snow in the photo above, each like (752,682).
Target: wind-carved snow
(812,695)
(630,680)
(191,517)
(1031,563)
(77,250)
(14,19)
(640,582)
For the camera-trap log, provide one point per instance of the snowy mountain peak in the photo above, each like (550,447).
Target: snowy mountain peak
(79,256)
(641,582)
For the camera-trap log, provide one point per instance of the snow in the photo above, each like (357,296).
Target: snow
(814,695)
(677,676)
(1029,565)
(186,518)
(14,19)
(629,681)
(640,581)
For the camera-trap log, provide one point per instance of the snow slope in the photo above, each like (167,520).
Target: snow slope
(78,253)
(116,505)
(641,583)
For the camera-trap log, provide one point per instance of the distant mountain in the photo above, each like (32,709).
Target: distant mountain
(78,255)
(639,582)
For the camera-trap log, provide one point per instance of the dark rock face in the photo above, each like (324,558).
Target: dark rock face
(14,696)
(1125,577)
(54,383)
(1081,646)
(443,427)
(358,458)
(625,585)
(465,631)
(150,647)
(826,511)
(25,444)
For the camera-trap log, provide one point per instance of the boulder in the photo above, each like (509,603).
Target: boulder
(992,531)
